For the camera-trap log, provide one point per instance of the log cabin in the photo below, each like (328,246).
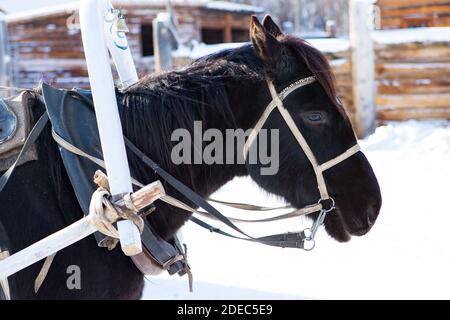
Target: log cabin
(46,43)
(413,13)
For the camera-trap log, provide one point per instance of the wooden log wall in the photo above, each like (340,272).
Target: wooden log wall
(413,80)
(414,13)
(44,49)
(341,66)
(340,62)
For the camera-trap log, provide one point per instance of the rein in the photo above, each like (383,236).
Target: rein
(325,204)
(303,239)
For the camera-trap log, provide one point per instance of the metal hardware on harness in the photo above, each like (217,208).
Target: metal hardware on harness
(15,125)
(120,24)
(118,19)
(310,233)
(275,240)
(8,122)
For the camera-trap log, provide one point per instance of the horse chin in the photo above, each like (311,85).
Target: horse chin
(341,231)
(335,226)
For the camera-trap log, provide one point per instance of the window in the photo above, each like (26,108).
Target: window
(212,36)
(240,35)
(147,41)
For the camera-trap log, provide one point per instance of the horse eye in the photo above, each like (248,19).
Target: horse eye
(314,117)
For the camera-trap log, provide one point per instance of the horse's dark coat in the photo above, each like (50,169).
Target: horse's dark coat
(226,91)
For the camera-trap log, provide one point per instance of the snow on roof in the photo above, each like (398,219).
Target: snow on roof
(200,49)
(43,12)
(330,45)
(70,6)
(233,7)
(399,36)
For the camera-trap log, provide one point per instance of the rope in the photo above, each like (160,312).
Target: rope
(187,269)
(103,214)
(179,204)
(43,273)
(292,214)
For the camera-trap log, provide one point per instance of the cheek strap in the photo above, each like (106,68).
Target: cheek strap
(277,102)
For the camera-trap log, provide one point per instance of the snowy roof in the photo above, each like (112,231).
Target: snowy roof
(43,12)
(200,49)
(399,36)
(70,6)
(233,7)
(330,45)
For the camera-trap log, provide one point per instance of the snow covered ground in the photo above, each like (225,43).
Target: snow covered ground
(405,255)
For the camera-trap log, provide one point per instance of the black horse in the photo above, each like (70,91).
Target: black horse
(226,90)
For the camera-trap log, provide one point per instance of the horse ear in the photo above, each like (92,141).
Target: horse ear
(271,26)
(265,44)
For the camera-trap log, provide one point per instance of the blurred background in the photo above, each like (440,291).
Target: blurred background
(391,61)
(391,58)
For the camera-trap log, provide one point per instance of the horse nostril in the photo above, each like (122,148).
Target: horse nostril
(372,214)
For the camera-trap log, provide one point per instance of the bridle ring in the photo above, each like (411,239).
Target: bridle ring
(331,208)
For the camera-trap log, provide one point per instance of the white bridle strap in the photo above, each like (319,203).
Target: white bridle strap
(343,156)
(277,102)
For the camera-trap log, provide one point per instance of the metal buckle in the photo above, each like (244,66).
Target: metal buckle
(324,201)
(309,242)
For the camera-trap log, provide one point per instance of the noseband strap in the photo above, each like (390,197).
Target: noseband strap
(277,102)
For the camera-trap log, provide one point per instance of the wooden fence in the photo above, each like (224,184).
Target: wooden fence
(338,54)
(414,13)
(413,73)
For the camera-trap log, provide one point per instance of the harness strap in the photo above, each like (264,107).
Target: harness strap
(194,197)
(190,194)
(247,206)
(71,148)
(31,139)
(294,240)
(347,154)
(306,149)
(277,102)
(291,241)
(293,214)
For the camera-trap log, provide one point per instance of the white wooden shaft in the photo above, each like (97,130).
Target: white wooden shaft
(47,246)
(71,234)
(120,52)
(92,14)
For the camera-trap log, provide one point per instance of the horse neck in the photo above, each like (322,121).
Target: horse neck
(248,101)
(204,179)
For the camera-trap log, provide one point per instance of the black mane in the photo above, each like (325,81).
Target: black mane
(226,90)
(162,103)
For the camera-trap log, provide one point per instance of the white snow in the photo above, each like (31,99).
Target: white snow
(418,66)
(38,12)
(338,62)
(199,50)
(233,7)
(330,45)
(399,36)
(405,255)
(44,8)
